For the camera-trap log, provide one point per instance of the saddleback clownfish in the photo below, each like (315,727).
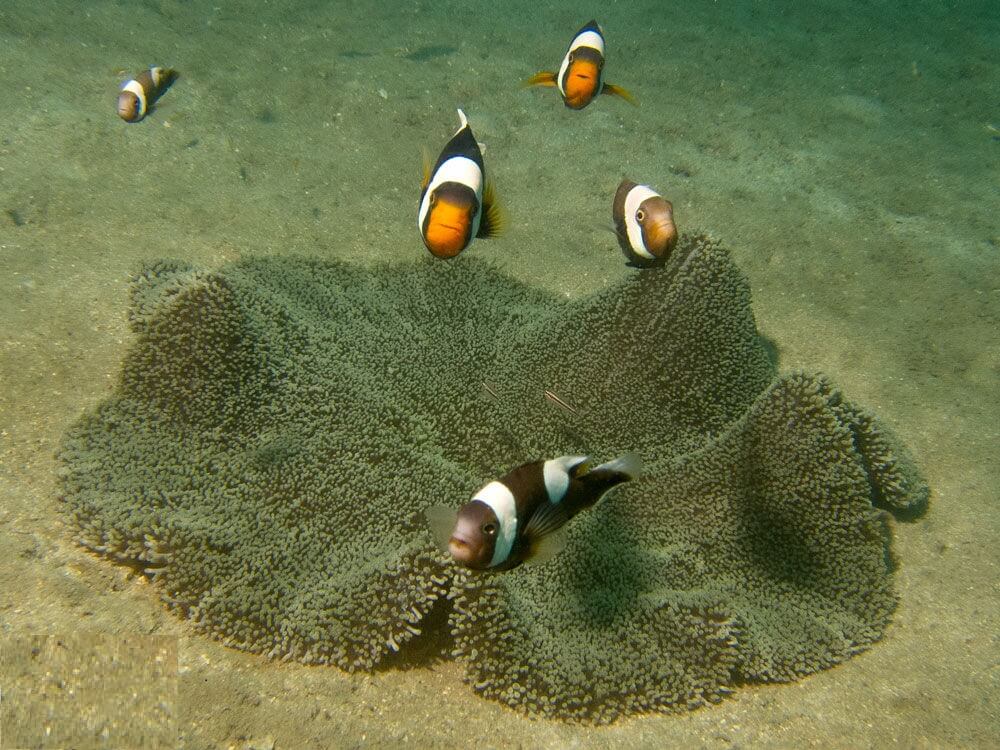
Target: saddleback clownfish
(139,95)
(517,518)
(456,202)
(644,224)
(581,76)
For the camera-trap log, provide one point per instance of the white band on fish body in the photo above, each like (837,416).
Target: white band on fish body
(556,473)
(459,169)
(158,75)
(633,200)
(499,497)
(134,87)
(588,39)
(562,74)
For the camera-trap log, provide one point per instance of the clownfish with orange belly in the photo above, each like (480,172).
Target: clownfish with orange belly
(456,202)
(517,518)
(644,224)
(139,95)
(581,76)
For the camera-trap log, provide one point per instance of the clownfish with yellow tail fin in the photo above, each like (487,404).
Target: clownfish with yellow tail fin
(581,76)
(517,518)
(456,202)
(138,96)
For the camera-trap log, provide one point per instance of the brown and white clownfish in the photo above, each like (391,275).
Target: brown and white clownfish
(139,95)
(517,518)
(456,201)
(581,76)
(644,224)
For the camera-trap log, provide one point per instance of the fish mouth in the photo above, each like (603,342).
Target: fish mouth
(445,240)
(447,230)
(461,550)
(579,99)
(661,236)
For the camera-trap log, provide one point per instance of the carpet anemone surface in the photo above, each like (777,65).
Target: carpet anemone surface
(279,425)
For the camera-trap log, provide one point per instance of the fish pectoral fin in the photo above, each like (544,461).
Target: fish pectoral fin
(425,155)
(547,547)
(547,519)
(542,78)
(494,219)
(611,89)
(441,521)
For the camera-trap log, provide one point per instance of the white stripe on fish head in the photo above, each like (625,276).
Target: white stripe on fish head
(459,169)
(499,497)
(633,200)
(134,87)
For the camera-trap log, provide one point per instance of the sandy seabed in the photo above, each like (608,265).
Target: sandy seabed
(846,155)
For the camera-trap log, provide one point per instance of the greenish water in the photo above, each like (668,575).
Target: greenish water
(845,154)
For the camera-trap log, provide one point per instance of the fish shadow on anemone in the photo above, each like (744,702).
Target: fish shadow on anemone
(770,346)
(432,646)
(280,424)
(607,577)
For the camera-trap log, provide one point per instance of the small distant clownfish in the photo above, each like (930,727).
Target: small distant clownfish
(581,76)
(518,517)
(456,202)
(644,224)
(138,96)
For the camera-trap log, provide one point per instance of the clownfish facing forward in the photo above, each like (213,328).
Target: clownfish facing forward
(456,202)
(139,95)
(516,518)
(581,76)
(644,224)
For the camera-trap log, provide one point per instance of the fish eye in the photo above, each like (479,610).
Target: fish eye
(572,57)
(489,529)
(434,199)
(640,215)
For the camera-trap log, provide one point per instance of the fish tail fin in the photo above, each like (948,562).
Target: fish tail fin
(625,468)
(611,89)
(542,78)
(494,219)
(463,120)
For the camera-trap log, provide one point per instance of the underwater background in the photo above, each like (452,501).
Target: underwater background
(846,153)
